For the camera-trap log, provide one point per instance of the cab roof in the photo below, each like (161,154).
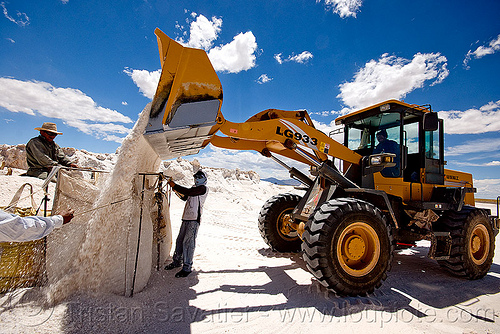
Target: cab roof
(386,106)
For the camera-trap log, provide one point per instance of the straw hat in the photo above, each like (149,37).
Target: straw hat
(49,127)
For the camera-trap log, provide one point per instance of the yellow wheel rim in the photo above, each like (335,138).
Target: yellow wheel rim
(479,246)
(358,249)
(283,225)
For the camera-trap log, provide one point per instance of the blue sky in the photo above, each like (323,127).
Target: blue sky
(91,67)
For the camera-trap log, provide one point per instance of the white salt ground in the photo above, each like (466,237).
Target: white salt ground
(240,286)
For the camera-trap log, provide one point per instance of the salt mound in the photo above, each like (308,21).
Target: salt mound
(14,156)
(229,189)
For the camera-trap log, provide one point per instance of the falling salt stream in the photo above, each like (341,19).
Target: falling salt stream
(101,257)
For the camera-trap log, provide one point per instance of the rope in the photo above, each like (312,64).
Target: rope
(102,206)
(22,198)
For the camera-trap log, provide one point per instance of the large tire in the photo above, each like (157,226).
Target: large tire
(271,223)
(473,242)
(348,246)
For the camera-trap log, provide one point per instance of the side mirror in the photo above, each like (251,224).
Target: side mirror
(431,121)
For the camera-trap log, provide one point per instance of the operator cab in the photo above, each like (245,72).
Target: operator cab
(413,133)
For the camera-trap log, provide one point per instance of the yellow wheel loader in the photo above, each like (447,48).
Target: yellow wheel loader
(384,187)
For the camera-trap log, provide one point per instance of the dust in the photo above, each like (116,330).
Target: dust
(109,257)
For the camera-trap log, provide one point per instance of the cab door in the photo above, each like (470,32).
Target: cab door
(433,155)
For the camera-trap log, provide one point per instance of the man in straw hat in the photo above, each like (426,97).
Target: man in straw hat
(42,153)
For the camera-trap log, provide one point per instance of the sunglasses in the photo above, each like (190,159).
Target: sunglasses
(51,134)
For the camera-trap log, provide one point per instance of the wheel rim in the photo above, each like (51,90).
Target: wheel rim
(479,246)
(284,229)
(358,249)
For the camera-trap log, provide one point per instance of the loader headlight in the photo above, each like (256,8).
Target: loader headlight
(376,160)
(385,159)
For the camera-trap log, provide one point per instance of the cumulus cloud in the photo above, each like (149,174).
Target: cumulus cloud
(473,121)
(202,32)
(301,58)
(392,77)
(233,57)
(482,51)
(344,8)
(264,78)
(70,105)
(21,19)
(146,81)
(236,56)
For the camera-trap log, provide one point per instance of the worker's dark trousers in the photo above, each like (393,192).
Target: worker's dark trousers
(185,244)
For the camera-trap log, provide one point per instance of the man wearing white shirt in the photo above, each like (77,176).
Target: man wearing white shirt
(14,228)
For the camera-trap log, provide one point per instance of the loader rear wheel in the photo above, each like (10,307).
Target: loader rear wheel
(273,223)
(348,246)
(473,243)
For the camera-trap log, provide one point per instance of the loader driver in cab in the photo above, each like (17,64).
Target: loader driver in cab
(186,240)
(387,146)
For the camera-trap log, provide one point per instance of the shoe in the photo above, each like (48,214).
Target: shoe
(182,273)
(172,265)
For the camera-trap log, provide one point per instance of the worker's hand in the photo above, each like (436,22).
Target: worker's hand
(170,182)
(67,215)
(73,165)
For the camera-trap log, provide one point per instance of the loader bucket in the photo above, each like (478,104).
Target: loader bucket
(187,101)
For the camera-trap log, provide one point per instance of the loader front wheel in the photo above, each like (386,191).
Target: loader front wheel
(473,243)
(348,246)
(274,223)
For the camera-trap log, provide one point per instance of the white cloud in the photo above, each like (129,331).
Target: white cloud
(484,119)
(482,51)
(344,8)
(301,58)
(487,188)
(473,164)
(21,20)
(145,80)
(493,163)
(234,57)
(203,32)
(124,103)
(104,131)
(237,56)
(278,58)
(70,105)
(11,40)
(392,77)
(248,160)
(327,128)
(474,146)
(263,79)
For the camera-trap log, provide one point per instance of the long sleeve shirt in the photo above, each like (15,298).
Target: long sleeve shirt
(41,153)
(14,228)
(195,198)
